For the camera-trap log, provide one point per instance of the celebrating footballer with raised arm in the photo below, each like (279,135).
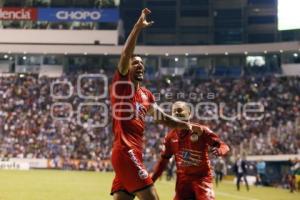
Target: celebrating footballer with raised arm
(130,103)
(190,148)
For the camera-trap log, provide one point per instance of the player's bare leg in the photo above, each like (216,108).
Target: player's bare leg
(147,194)
(122,196)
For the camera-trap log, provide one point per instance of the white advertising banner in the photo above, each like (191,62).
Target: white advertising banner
(14,165)
(17,163)
(291,69)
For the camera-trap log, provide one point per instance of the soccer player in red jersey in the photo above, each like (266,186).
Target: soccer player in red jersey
(190,148)
(130,103)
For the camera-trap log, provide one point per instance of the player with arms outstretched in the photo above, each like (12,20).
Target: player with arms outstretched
(190,148)
(130,103)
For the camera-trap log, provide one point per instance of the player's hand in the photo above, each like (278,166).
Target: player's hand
(215,151)
(142,21)
(151,176)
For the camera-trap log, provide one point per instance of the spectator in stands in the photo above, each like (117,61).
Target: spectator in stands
(28,129)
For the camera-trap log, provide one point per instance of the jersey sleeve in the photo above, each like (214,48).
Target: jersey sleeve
(167,151)
(214,141)
(151,97)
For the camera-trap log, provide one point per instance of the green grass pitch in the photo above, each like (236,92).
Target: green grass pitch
(67,185)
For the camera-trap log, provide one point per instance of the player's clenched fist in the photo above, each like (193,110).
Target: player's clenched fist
(142,21)
(215,151)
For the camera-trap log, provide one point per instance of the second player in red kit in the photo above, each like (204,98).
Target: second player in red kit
(190,148)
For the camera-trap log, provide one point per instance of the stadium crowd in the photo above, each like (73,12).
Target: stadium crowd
(29,108)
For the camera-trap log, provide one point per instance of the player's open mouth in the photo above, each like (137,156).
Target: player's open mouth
(180,116)
(139,73)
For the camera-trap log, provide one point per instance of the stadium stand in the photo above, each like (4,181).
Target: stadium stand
(29,131)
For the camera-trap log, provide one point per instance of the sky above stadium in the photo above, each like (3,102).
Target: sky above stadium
(288,14)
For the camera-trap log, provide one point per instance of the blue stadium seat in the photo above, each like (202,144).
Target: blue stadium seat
(200,72)
(235,71)
(220,71)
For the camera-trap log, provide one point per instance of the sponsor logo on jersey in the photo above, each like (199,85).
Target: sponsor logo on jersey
(144,96)
(194,137)
(140,111)
(143,174)
(189,158)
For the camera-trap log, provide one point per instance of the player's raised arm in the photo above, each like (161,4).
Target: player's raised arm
(130,44)
(163,118)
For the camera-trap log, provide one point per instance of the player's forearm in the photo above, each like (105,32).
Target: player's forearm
(159,168)
(128,50)
(172,122)
(162,118)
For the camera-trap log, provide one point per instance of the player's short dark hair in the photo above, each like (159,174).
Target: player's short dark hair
(136,55)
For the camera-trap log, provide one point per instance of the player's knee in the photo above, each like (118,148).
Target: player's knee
(148,194)
(122,196)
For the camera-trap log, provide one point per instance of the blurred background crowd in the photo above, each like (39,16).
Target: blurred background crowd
(36,123)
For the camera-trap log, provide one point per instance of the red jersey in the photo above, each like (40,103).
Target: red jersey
(129,107)
(191,151)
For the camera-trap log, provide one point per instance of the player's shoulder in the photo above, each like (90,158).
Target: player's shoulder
(146,90)
(205,128)
(120,77)
(148,93)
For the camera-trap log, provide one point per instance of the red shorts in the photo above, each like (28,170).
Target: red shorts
(131,175)
(192,188)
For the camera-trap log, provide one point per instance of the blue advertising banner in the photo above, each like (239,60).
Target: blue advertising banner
(78,14)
